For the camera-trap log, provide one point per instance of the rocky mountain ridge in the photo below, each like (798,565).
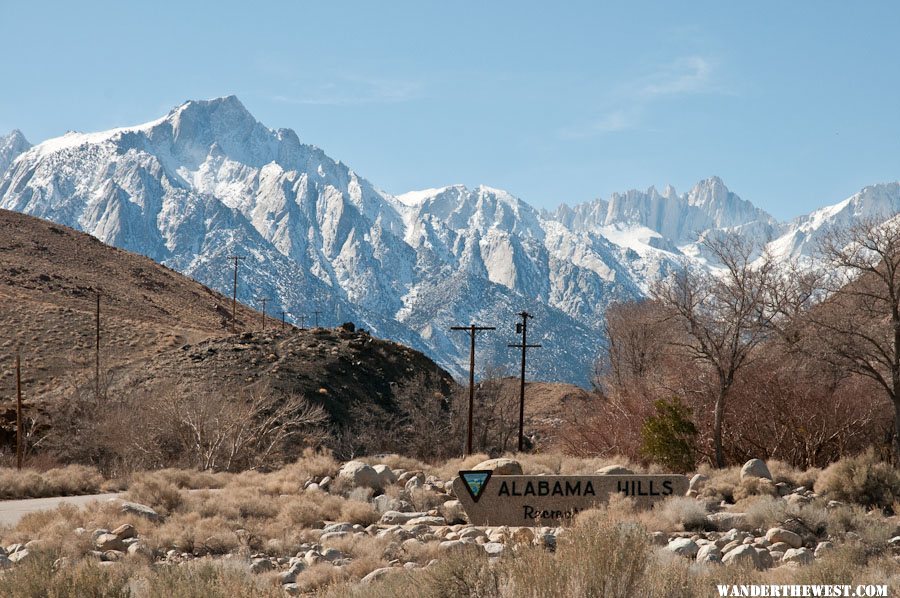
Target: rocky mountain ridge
(208,181)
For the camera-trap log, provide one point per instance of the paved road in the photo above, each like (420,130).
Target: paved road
(11,511)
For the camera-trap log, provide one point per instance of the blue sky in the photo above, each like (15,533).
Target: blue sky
(794,106)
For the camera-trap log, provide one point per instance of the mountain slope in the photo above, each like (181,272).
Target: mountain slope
(11,146)
(159,330)
(208,181)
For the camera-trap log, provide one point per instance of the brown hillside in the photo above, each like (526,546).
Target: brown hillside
(158,328)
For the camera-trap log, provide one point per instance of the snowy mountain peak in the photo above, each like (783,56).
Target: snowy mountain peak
(11,146)
(207,180)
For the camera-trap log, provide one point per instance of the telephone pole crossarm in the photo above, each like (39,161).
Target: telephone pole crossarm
(472,329)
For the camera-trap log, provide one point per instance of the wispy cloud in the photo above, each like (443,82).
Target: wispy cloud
(690,75)
(625,106)
(617,120)
(352,90)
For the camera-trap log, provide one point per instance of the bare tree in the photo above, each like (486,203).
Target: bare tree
(858,328)
(722,317)
(244,431)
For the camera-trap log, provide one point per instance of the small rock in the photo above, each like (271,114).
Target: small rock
(765,559)
(801,556)
(725,520)
(5,562)
(709,553)
(125,531)
(614,470)
(134,508)
(684,547)
(385,474)
(448,545)
(697,482)
(110,541)
(19,555)
(777,534)
(823,547)
(494,548)
(743,555)
(501,466)
(375,575)
(360,474)
(398,518)
(261,566)
(139,548)
(755,468)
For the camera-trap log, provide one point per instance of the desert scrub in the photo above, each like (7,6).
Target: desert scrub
(62,481)
(676,514)
(38,578)
(156,492)
(862,479)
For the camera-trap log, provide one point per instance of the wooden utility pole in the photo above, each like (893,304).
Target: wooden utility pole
(302,321)
(263,300)
(97,351)
(236,259)
(283,315)
(20,441)
(472,329)
(522,328)
(317,312)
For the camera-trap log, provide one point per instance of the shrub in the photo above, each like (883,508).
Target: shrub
(155,492)
(862,479)
(669,437)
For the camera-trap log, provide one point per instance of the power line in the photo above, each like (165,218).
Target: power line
(472,329)
(522,328)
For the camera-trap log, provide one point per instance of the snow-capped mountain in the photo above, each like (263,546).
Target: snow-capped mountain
(208,181)
(11,145)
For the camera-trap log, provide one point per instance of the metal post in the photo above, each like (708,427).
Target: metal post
(283,314)
(97,352)
(20,444)
(263,300)
(302,321)
(471,329)
(523,329)
(235,259)
(317,312)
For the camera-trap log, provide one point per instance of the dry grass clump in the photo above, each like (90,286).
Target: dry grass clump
(155,491)
(862,479)
(785,472)
(37,577)
(191,479)
(194,534)
(395,461)
(87,578)
(308,510)
(754,487)
(721,484)
(765,512)
(363,513)
(451,468)
(290,478)
(62,481)
(675,515)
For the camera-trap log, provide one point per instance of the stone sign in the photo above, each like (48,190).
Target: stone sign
(525,500)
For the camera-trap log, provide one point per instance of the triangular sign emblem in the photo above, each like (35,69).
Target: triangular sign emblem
(476,481)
